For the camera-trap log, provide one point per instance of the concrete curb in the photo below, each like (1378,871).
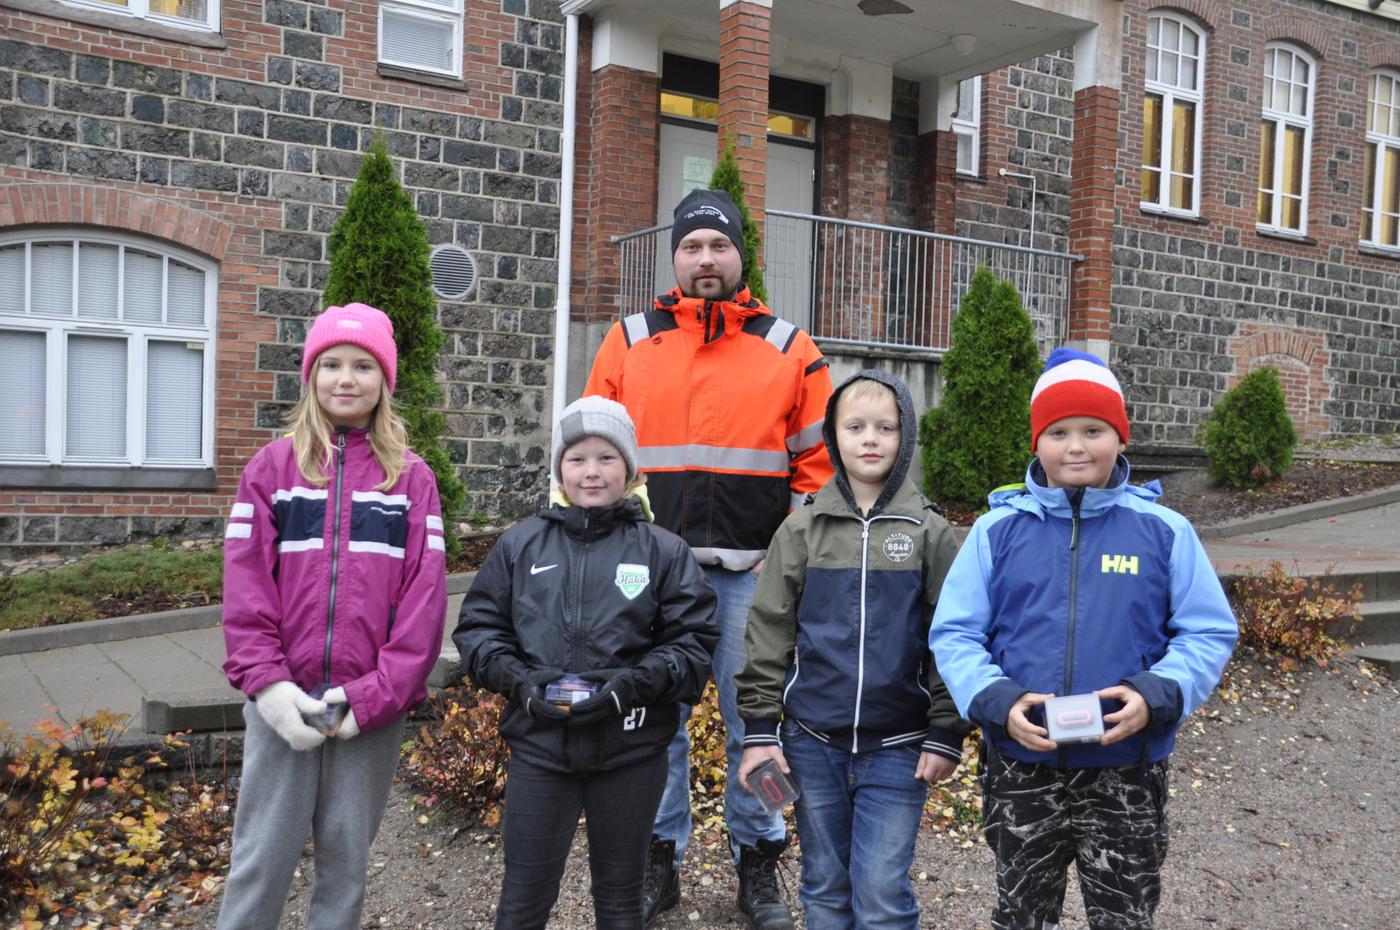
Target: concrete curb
(1317,510)
(112,629)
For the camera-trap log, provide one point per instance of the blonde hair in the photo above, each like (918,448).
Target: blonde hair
(312,441)
(866,389)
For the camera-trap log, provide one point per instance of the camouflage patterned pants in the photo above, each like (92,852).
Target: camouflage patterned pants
(1110,822)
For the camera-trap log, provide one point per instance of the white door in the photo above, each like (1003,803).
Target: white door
(688,161)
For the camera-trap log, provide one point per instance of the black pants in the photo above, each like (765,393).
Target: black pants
(541,814)
(1111,823)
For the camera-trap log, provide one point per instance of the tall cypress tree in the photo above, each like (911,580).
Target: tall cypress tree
(728,177)
(978,437)
(379,256)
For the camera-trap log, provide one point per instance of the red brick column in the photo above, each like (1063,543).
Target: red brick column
(622,150)
(855,184)
(744,52)
(936,211)
(1091,212)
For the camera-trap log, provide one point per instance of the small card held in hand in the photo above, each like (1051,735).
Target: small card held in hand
(772,787)
(1075,718)
(328,720)
(569,690)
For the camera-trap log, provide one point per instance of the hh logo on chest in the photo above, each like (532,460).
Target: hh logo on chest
(1120,564)
(631,579)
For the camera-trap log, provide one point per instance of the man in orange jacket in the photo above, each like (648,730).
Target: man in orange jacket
(728,402)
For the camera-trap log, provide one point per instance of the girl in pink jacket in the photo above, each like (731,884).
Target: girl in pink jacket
(334,604)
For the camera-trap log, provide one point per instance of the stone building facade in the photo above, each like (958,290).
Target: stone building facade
(227,153)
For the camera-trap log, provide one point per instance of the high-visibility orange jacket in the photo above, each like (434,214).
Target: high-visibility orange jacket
(728,401)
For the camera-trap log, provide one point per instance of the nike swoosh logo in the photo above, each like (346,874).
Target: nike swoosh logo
(536,569)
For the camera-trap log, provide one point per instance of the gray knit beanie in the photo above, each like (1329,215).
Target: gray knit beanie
(595,416)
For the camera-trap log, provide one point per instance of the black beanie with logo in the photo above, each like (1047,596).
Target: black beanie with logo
(707,209)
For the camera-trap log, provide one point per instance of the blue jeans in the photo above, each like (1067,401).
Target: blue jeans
(746,819)
(857,818)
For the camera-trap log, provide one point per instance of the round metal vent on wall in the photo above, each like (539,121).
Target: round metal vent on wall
(454,272)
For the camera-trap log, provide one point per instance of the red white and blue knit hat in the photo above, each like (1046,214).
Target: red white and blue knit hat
(1076,384)
(357,324)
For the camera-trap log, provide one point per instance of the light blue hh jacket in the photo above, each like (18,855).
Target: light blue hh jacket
(1066,592)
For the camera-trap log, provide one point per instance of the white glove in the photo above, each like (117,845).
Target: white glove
(348,728)
(281,705)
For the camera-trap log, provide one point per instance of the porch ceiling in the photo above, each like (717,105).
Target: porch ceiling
(916,45)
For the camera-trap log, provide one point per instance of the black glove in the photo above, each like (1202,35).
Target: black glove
(615,698)
(528,692)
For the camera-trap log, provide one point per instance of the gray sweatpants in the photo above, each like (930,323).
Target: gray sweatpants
(337,793)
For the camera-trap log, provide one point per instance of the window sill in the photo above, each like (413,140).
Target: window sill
(1378,251)
(969,177)
(1153,210)
(93,478)
(194,35)
(1286,235)
(420,77)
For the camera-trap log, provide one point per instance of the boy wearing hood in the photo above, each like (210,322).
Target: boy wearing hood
(1077,583)
(840,688)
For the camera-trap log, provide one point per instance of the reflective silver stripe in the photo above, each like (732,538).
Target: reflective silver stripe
(311,494)
(798,501)
(435,523)
(805,438)
(736,560)
(436,542)
(780,333)
(391,500)
(239,531)
(241,511)
(713,457)
(636,327)
(376,547)
(301,545)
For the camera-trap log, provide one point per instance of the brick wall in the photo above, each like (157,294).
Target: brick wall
(1195,301)
(263,137)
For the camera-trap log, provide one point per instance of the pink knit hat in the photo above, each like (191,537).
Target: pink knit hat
(357,324)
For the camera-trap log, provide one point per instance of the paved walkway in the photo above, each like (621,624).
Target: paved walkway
(75,680)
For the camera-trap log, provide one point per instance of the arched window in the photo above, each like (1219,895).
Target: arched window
(1285,139)
(106,351)
(1380,216)
(1171,115)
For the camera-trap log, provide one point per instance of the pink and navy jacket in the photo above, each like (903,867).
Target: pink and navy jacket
(342,585)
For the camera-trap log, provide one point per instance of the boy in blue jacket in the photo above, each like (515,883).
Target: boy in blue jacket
(1076,583)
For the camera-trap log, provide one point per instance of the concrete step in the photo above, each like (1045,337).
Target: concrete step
(1380,624)
(1387,656)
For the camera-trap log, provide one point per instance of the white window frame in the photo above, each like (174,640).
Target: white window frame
(141,9)
(451,12)
(1172,94)
(1383,141)
(1283,120)
(969,125)
(138,337)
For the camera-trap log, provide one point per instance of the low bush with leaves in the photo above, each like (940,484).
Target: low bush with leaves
(1248,437)
(1292,618)
(457,759)
(91,841)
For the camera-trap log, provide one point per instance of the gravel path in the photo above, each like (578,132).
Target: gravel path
(1283,815)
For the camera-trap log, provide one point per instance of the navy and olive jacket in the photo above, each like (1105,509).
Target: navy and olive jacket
(838,629)
(1059,592)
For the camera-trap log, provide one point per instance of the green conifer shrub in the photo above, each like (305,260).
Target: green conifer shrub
(379,256)
(978,437)
(1248,437)
(728,177)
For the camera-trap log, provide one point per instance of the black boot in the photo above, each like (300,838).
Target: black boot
(661,883)
(759,897)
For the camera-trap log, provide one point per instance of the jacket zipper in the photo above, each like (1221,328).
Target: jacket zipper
(860,662)
(1074,501)
(335,554)
(578,599)
(704,317)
